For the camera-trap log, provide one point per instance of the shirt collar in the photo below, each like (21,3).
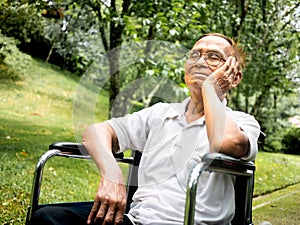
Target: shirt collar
(178,111)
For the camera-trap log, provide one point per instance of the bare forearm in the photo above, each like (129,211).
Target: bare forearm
(223,133)
(110,200)
(99,139)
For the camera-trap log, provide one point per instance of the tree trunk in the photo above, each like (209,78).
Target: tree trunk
(49,53)
(114,85)
(116,30)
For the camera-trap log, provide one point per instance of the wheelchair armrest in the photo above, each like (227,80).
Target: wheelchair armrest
(213,162)
(71,148)
(67,147)
(64,149)
(223,163)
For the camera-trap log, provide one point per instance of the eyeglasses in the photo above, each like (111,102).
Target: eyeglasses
(211,58)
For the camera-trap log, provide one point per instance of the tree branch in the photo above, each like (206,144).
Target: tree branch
(96,6)
(287,13)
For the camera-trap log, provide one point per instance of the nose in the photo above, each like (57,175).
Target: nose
(201,61)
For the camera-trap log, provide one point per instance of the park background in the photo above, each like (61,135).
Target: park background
(47,50)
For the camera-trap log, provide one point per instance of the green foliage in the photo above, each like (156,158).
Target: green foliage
(275,121)
(166,20)
(74,37)
(21,20)
(291,141)
(13,64)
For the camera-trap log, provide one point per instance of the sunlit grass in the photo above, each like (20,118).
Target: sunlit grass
(275,171)
(34,113)
(281,207)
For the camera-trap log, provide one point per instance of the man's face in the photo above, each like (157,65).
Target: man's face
(196,73)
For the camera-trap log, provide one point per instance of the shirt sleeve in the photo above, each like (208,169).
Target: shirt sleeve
(132,130)
(252,129)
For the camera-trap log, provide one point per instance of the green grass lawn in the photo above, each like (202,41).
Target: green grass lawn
(281,207)
(38,111)
(275,171)
(34,113)
(274,174)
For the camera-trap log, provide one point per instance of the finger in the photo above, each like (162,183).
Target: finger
(224,69)
(233,61)
(236,67)
(110,215)
(119,217)
(231,71)
(228,62)
(93,212)
(234,64)
(102,210)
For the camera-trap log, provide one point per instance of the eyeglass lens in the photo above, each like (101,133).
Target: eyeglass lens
(211,58)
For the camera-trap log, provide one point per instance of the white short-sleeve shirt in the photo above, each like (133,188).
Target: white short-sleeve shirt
(171,147)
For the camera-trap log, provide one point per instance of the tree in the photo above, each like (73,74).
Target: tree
(270,33)
(132,19)
(272,57)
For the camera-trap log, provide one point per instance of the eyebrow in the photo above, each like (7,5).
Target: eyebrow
(209,50)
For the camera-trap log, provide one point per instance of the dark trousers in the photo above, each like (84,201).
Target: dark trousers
(58,215)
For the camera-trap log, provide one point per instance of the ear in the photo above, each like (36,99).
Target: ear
(237,79)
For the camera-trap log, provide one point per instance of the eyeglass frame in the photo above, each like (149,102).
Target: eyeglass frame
(205,57)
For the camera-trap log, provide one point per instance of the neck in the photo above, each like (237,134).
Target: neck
(194,111)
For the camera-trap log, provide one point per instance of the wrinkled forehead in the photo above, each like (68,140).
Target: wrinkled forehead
(214,43)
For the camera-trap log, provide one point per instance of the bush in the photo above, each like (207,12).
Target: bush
(13,63)
(291,141)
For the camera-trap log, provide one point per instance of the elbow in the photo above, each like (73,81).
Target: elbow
(90,134)
(236,147)
(238,151)
(87,134)
(99,134)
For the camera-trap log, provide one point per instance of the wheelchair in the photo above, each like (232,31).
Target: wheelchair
(211,162)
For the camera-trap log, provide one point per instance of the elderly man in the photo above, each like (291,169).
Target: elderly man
(173,138)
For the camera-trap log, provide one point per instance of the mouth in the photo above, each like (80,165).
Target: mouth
(199,75)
